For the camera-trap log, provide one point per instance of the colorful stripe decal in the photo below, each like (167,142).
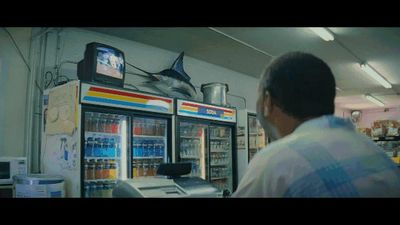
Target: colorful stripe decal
(194,113)
(206,111)
(98,89)
(124,99)
(116,102)
(209,107)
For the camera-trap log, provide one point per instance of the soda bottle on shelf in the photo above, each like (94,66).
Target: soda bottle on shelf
(140,148)
(87,122)
(146,144)
(86,190)
(144,126)
(152,128)
(161,148)
(110,124)
(86,169)
(150,148)
(139,167)
(111,148)
(89,147)
(92,189)
(112,170)
(105,148)
(106,170)
(114,124)
(95,150)
(99,170)
(138,127)
(135,148)
(157,128)
(156,148)
(104,125)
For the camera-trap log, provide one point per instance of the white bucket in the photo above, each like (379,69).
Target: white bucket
(39,186)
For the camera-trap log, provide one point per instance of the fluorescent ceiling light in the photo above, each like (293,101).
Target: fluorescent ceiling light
(375,75)
(374,100)
(323,33)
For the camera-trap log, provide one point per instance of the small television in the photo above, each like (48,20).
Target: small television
(102,64)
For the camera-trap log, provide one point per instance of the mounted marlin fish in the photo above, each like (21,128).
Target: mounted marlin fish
(173,82)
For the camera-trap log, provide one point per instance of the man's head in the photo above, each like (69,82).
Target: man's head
(294,88)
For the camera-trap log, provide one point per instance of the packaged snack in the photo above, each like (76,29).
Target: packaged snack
(378,129)
(365,131)
(392,128)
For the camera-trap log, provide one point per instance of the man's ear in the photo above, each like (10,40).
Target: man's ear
(267,104)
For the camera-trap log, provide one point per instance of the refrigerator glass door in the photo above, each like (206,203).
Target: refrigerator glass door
(193,147)
(221,173)
(105,152)
(257,137)
(149,145)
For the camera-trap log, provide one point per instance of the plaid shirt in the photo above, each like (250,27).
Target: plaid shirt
(323,157)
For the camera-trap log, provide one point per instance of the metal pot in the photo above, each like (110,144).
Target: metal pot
(215,93)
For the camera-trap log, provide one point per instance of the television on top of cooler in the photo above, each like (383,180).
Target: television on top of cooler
(102,64)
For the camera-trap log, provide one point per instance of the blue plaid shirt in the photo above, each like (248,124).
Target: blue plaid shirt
(323,157)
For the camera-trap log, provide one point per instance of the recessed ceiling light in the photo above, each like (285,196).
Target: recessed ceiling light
(323,33)
(374,100)
(375,75)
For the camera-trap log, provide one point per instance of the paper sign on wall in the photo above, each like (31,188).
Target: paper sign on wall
(60,114)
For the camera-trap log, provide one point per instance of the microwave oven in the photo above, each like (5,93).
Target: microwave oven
(10,167)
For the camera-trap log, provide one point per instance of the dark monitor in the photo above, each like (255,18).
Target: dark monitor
(102,64)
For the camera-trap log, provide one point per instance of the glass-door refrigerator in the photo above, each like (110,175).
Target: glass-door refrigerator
(205,138)
(103,134)
(257,138)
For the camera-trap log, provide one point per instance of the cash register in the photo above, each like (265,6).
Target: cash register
(167,184)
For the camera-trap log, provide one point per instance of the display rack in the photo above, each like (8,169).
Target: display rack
(387,138)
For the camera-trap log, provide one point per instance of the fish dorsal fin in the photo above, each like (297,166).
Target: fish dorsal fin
(178,66)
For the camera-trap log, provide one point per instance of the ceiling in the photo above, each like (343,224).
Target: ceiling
(249,49)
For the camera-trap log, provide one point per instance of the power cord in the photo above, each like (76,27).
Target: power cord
(131,85)
(22,56)
(18,49)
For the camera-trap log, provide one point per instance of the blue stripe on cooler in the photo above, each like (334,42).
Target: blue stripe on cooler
(117,102)
(195,113)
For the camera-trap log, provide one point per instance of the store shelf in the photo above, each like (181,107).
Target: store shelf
(155,157)
(219,178)
(388,138)
(148,136)
(218,151)
(220,138)
(91,134)
(100,157)
(190,137)
(190,157)
(100,180)
(220,164)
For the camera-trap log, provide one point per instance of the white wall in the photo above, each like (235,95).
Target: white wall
(369,116)
(153,59)
(344,113)
(13,85)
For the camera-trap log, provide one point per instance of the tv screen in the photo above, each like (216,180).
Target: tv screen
(110,62)
(102,64)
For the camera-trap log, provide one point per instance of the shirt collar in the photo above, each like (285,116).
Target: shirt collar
(324,122)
